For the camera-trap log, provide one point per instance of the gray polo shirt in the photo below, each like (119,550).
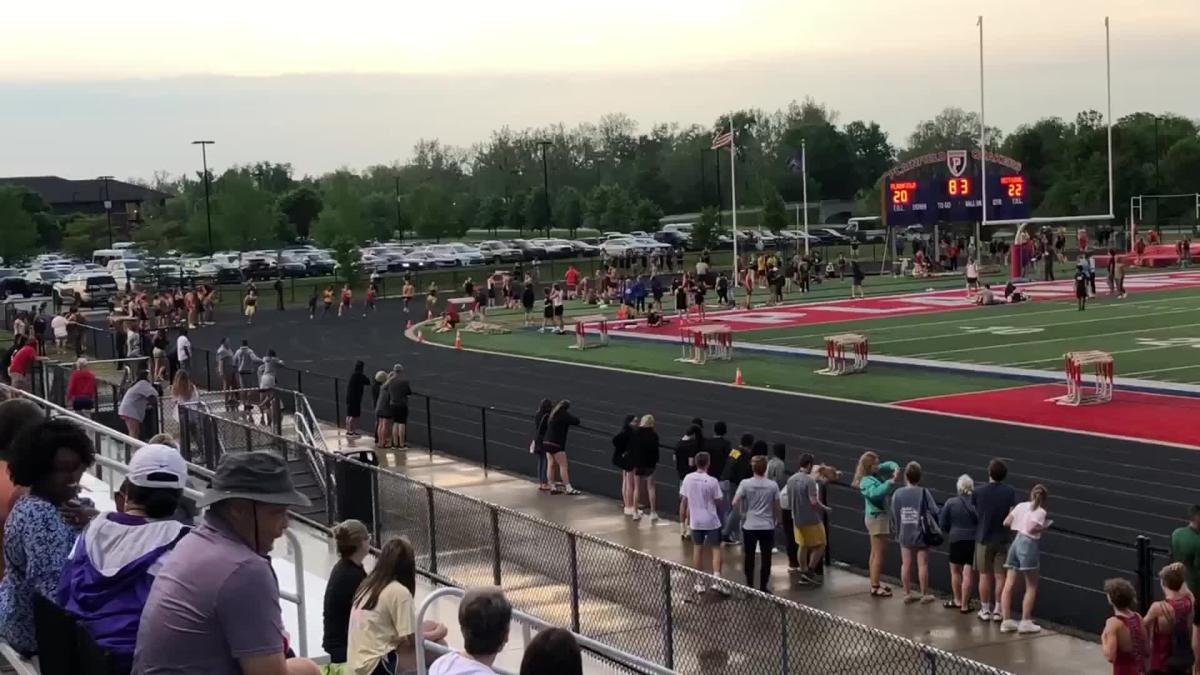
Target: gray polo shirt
(214,601)
(802,492)
(757,497)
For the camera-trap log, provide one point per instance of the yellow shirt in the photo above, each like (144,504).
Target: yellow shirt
(374,633)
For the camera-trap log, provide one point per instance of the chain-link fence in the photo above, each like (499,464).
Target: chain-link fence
(626,598)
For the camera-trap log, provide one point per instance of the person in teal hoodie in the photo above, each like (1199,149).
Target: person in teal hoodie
(876,481)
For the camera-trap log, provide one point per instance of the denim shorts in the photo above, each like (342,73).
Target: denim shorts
(712,537)
(1023,554)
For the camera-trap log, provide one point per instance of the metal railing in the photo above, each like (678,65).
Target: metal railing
(623,598)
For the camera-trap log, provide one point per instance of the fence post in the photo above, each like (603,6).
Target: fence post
(277,414)
(185,433)
(300,380)
(573,558)
(668,624)
(495,546)
(483,424)
(249,438)
(330,493)
(823,494)
(783,639)
(1145,573)
(433,565)
(337,402)
(429,422)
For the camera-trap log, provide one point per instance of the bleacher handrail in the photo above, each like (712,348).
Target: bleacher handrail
(528,620)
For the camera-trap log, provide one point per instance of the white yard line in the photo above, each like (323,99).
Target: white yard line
(1061,339)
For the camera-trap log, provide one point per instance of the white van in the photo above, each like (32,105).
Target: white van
(126,271)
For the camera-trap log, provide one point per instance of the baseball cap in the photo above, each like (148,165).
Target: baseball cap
(158,466)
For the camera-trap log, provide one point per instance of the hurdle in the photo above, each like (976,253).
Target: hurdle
(581,331)
(700,343)
(836,361)
(1074,364)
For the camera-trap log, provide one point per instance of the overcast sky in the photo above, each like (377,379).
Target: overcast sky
(121,87)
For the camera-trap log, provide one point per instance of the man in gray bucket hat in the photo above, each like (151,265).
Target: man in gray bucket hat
(214,606)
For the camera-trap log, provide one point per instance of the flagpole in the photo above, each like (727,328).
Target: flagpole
(1108,86)
(804,177)
(733,199)
(982,143)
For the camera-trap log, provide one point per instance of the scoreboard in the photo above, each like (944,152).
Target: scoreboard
(926,201)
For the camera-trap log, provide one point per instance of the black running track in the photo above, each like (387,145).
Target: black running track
(1103,492)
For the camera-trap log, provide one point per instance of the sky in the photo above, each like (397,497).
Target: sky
(122,87)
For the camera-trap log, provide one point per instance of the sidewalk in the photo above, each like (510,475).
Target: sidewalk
(844,593)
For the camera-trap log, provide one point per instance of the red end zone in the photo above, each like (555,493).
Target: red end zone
(1131,414)
(833,311)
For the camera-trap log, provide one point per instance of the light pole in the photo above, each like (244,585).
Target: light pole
(546,184)
(207,203)
(108,208)
(399,226)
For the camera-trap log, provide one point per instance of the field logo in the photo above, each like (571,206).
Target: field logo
(1000,330)
(1170,342)
(956,161)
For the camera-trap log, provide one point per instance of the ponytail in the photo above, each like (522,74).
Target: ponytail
(1038,496)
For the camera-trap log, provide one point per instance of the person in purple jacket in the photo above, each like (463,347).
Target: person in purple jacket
(108,575)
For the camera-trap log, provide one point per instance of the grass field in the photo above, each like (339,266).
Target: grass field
(1153,336)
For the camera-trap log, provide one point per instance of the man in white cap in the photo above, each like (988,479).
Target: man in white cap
(214,607)
(111,568)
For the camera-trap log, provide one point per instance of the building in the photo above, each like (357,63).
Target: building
(67,196)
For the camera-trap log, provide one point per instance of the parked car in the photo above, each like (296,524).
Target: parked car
(438,257)
(291,265)
(205,272)
(528,249)
(829,236)
(555,248)
(673,238)
(420,260)
(93,289)
(257,268)
(41,281)
(127,271)
(496,251)
(460,253)
(584,249)
(619,246)
(14,285)
(650,246)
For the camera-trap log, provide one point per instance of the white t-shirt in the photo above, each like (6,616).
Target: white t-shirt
(702,492)
(456,664)
(972,270)
(183,347)
(1024,517)
(59,325)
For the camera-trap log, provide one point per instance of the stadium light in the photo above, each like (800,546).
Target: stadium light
(207,203)
(108,208)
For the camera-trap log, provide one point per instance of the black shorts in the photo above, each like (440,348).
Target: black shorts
(354,409)
(399,414)
(548,312)
(558,311)
(962,552)
(643,471)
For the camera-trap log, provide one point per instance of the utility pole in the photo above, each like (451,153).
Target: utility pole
(703,183)
(399,226)
(108,208)
(207,198)
(546,184)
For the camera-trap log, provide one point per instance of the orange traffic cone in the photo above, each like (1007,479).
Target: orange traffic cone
(737,378)
(458,340)
(408,325)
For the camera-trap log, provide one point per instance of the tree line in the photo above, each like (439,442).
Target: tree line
(612,175)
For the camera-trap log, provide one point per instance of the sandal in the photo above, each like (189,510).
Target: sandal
(881,592)
(543,488)
(950,604)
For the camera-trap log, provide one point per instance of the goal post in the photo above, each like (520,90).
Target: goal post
(1137,216)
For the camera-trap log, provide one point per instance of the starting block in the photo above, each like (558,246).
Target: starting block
(837,362)
(1074,363)
(699,343)
(581,325)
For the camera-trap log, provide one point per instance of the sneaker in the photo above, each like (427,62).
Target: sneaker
(1008,626)
(629,511)
(720,589)
(793,569)
(1026,627)
(996,617)
(637,515)
(699,588)
(571,491)
(926,599)
(653,517)
(985,615)
(910,599)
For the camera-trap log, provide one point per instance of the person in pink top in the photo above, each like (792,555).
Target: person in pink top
(1123,641)
(1028,521)
(1168,625)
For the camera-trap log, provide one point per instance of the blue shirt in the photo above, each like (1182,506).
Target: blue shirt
(37,542)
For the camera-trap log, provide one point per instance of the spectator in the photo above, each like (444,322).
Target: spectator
(355,388)
(622,458)
(540,420)
(214,606)
(1168,625)
(1185,548)
(484,616)
(911,505)
(183,349)
(353,543)
(552,651)
(81,388)
(992,504)
(48,458)
(111,568)
(758,499)
(555,443)
(133,341)
(1028,520)
(875,482)
(699,504)
(58,326)
(718,448)
(380,639)
(776,466)
(246,363)
(184,392)
(645,453)
(383,410)
(15,416)
(226,371)
(20,369)
(737,469)
(136,401)
(1123,640)
(158,355)
(959,523)
(398,392)
(807,520)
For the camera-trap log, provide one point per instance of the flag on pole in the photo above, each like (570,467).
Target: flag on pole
(723,140)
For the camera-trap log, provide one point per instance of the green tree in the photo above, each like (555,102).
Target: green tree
(705,231)
(774,213)
(647,215)
(951,129)
(490,216)
(873,152)
(618,212)
(340,192)
(20,231)
(347,257)
(379,215)
(243,216)
(515,217)
(568,209)
(536,211)
(81,233)
(301,207)
(431,212)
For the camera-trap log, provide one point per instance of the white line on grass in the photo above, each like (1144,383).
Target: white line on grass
(1044,341)
(1117,351)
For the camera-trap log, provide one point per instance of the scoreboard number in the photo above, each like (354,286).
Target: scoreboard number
(902,193)
(958,187)
(1014,186)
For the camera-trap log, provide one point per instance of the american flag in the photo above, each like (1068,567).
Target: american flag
(723,140)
